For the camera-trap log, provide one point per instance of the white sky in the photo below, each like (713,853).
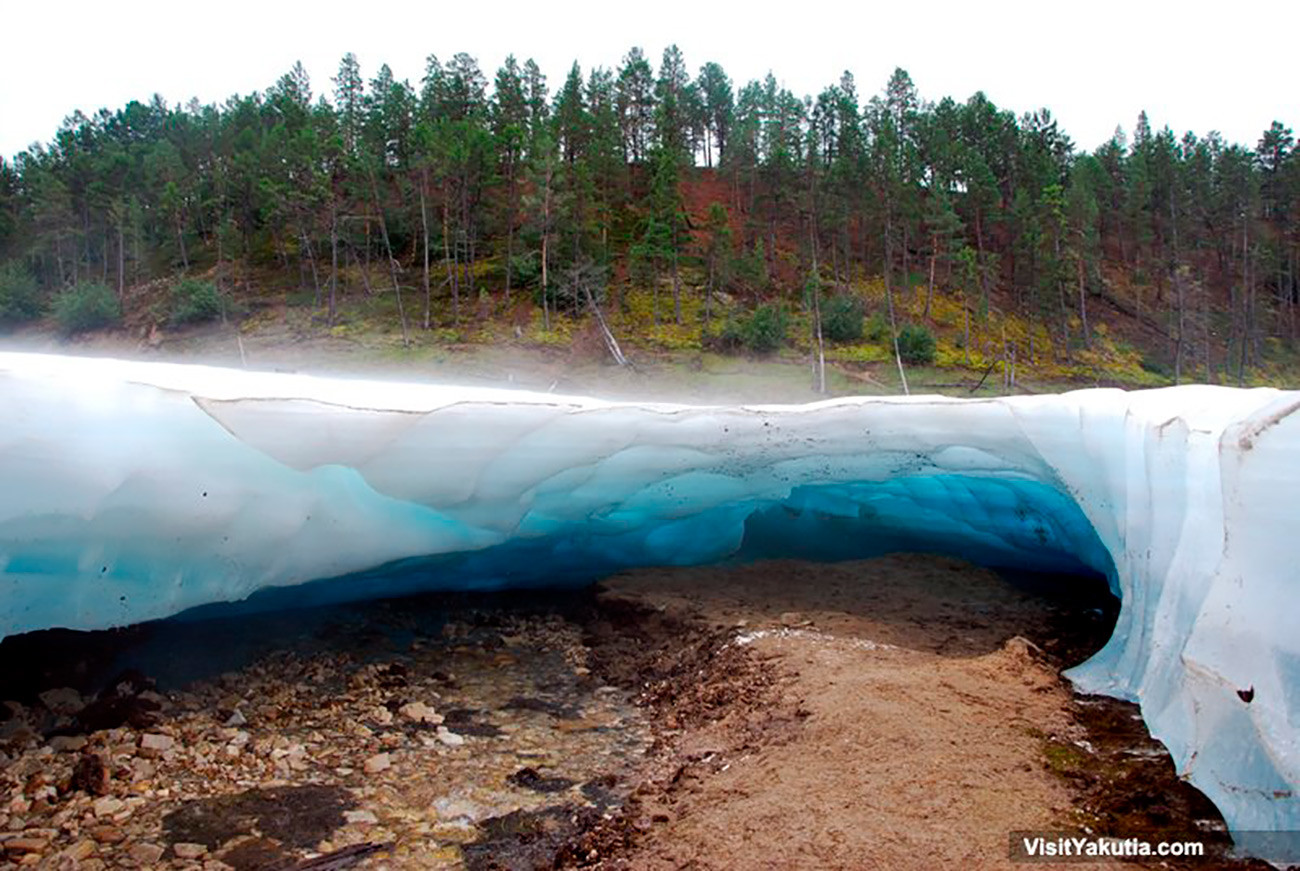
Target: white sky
(1095,63)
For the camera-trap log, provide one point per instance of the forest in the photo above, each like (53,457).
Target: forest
(747,215)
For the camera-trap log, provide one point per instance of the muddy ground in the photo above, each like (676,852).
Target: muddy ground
(899,713)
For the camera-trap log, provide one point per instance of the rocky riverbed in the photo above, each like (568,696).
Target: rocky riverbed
(906,712)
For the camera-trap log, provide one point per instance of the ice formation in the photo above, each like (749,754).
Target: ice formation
(131,491)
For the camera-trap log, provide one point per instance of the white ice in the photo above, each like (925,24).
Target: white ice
(131,491)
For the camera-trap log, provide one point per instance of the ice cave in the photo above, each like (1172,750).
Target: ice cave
(131,491)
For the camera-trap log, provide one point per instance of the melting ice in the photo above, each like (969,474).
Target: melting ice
(131,491)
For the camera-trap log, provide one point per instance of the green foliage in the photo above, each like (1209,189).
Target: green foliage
(194,301)
(916,345)
(751,267)
(526,269)
(20,299)
(765,331)
(761,332)
(842,318)
(877,328)
(86,306)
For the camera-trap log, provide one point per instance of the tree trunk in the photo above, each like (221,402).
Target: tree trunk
(929,290)
(334,259)
(311,260)
(546,235)
(979,260)
(889,299)
(1083,304)
(677,284)
(510,229)
(121,261)
(392,262)
(424,230)
(180,237)
(1061,292)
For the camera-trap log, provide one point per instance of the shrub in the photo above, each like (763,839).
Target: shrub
(764,331)
(20,299)
(86,306)
(194,301)
(842,318)
(877,329)
(916,344)
(525,269)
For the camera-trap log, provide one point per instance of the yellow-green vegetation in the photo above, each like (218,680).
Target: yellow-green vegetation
(998,340)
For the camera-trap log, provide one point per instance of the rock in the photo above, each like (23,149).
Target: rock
(107,806)
(155,744)
(67,743)
(451,739)
(419,712)
(146,854)
(236,719)
(107,834)
(381,715)
(377,763)
(362,818)
(143,769)
(80,851)
(64,700)
(189,851)
(450,809)
(26,845)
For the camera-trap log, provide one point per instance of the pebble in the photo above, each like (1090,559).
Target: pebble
(366,818)
(26,845)
(146,854)
(107,806)
(377,763)
(419,712)
(64,700)
(67,743)
(451,739)
(154,744)
(80,851)
(107,834)
(189,851)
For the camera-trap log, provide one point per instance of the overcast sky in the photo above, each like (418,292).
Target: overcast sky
(1191,64)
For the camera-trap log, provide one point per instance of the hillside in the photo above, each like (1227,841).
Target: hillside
(958,240)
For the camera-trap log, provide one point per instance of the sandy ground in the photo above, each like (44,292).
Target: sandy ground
(902,725)
(919,712)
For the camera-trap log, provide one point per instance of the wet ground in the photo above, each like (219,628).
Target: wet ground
(905,712)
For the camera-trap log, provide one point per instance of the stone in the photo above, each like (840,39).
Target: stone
(451,739)
(107,806)
(361,818)
(26,845)
(419,712)
(155,744)
(146,854)
(67,743)
(377,763)
(80,851)
(107,834)
(64,700)
(189,851)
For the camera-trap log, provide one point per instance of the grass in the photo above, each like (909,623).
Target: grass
(680,352)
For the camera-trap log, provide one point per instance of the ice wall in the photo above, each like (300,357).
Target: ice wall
(130,491)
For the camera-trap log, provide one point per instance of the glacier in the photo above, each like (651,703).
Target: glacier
(132,490)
